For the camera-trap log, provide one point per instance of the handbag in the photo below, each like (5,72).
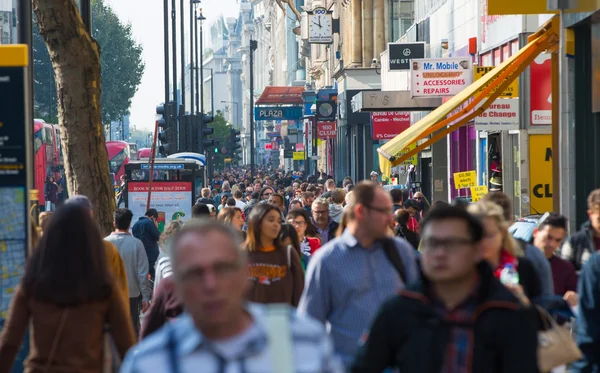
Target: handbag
(556,346)
(61,325)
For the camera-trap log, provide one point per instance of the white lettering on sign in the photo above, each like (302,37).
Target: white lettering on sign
(440,77)
(270,113)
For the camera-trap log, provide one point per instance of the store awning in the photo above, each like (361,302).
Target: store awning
(281,95)
(469,103)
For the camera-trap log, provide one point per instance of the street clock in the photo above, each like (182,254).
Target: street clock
(320,26)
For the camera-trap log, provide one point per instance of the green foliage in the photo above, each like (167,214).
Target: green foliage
(221,137)
(120,60)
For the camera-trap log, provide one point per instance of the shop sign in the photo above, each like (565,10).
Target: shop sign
(503,112)
(512,91)
(540,173)
(540,94)
(300,147)
(386,125)
(326,130)
(288,154)
(401,54)
(440,76)
(464,180)
(413,160)
(298,156)
(477,192)
(269,146)
(277,112)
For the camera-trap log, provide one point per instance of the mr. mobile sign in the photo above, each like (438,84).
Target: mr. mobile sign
(440,77)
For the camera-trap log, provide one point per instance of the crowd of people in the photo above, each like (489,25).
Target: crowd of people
(282,273)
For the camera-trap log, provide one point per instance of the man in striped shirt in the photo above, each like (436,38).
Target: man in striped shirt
(348,279)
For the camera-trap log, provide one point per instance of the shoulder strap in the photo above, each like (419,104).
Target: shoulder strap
(61,326)
(289,256)
(390,250)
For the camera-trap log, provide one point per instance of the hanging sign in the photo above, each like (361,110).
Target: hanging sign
(298,156)
(464,180)
(386,125)
(326,130)
(477,192)
(504,112)
(435,77)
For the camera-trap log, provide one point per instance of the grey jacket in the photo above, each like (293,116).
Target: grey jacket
(135,260)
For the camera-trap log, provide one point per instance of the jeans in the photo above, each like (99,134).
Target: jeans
(135,307)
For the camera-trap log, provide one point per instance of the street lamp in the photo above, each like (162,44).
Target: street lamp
(237,108)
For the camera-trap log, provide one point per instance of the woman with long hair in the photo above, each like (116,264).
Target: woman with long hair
(309,244)
(274,271)
(289,237)
(232,216)
(501,250)
(67,295)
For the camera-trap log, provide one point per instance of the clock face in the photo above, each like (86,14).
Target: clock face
(320,27)
(325,109)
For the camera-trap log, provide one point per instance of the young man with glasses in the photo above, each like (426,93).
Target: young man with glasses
(458,318)
(219,330)
(348,279)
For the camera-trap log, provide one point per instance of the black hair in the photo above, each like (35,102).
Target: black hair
(200,210)
(152,213)
(230,202)
(555,221)
(452,212)
(123,218)
(397,195)
(461,202)
(68,267)
(288,231)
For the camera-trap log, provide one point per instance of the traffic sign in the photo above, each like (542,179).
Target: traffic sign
(512,91)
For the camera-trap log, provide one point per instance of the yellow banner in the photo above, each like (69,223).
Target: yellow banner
(477,192)
(511,92)
(411,160)
(298,156)
(540,173)
(465,179)
(504,7)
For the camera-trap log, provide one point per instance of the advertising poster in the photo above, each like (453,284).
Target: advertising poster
(540,98)
(386,125)
(438,77)
(540,173)
(172,200)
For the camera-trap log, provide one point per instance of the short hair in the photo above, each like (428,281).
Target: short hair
(311,188)
(330,183)
(338,196)
(238,194)
(593,199)
(152,213)
(200,210)
(295,202)
(397,195)
(320,202)
(204,226)
(307,195)
(254,195)
(230,202)
(278,196)
(225,185)
(205,192)
(123,218)
(363,194)
(401,217)
(502,200)
(555,221)
(442,213)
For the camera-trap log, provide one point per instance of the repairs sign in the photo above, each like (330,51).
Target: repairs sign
(436,77)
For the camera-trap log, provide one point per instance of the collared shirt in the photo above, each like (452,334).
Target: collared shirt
(136,263)
(459,347)
(324,233)
(347,283)
(312,351)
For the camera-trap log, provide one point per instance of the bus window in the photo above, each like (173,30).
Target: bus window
(117,161)
(38,140)
(133,151)
(48,138)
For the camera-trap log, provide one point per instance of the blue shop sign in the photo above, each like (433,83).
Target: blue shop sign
(277,112)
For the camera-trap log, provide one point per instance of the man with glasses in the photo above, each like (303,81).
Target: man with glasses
(220,331)
(325,226)
(459,318)
(348,279)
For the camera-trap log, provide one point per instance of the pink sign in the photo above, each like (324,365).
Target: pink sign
(540,96)
(326,130)
(386,125)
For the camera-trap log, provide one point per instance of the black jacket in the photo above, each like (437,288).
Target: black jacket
(409,334)
(529,279)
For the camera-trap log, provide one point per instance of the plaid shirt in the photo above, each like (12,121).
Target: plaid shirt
(459,350)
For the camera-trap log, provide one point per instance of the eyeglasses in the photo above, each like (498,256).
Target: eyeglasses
(320,211)
(385,211)
(219,270)
(267,194)
(449,245)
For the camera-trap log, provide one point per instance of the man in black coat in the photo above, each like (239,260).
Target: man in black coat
(459,317)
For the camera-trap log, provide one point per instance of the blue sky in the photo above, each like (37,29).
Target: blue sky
(146,18)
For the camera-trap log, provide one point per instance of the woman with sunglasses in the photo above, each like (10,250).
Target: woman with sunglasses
(300,220)
(274,271)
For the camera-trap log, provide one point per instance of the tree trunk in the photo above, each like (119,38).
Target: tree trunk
(75,58)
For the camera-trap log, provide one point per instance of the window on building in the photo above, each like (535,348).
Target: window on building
(401,17)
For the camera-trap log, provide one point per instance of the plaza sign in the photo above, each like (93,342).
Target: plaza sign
(277,113)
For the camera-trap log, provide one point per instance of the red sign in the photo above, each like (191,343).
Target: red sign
(299,147)
(281,95)
(540,94)
(269,146)
(159,186)
(326,130)
(389,124)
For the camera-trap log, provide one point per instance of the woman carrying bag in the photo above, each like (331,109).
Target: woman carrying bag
(66,295)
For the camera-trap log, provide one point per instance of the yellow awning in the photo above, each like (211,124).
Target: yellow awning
(442,121)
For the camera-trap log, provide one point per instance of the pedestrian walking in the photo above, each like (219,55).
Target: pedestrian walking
(146,230)
(66,296)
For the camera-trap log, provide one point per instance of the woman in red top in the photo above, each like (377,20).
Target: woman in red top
(300,220)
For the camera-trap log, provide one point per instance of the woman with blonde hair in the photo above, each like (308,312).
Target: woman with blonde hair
(501,250)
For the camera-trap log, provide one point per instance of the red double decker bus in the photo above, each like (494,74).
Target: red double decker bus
(119,154)
(47,154)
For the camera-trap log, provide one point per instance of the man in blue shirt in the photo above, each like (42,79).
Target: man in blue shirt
(348,279)
(146,230)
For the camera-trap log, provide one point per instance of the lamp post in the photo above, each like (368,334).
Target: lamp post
(237,109)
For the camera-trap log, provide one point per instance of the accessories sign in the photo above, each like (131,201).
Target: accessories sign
(434,77)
